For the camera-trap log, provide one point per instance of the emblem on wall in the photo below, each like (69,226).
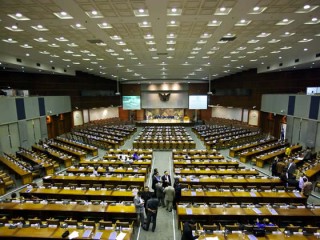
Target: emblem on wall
(164,97)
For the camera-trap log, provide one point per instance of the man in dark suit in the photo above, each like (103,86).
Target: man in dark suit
(166,179)
(152,210)
(187,230)
(291,169)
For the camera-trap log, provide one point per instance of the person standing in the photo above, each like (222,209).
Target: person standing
(307,187)
(187,231)
(152,210)
(169,197)
(160,194)
(139,204)
(166,179)
(146,195)
(155,179)
(291,169)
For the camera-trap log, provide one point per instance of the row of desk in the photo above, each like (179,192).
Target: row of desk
(242,196)
(208,171)
(65,158)
(88,148)
(234,151)
(80,194)
(56,233)
(276,215)
(78,211)
(26,176)
(218,181)
(129,180)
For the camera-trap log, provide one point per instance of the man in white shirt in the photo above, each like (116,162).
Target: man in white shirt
(139,203)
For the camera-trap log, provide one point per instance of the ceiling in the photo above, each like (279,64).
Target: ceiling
(149,40)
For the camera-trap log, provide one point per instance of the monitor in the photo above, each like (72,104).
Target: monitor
(131,102)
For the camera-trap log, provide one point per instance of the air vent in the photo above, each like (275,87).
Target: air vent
(268,67)
(162,54)
(38,64)
(95,41)
(296,60)
(53,68)
(19,60)
(227,39)
(280,64)
(317,55)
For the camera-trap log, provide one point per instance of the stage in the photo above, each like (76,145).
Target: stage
(164,122)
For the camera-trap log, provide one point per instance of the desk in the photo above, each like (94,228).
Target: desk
(235,150)
(241,196)
(88,194)
(77,211)
(90,149)
(54,233)
(26,176)
(312,172)
(260,160)
(215,172)
(218,181)
(206,162)
(100,170)
(208,214)
(78,154)
(94,179)
(56,155)
(236,236)
(48,167)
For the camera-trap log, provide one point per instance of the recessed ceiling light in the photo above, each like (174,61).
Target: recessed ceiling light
(174,12)
(53,45)
(148,36)
(27,54)
(257,10)
(274,41)
(141,12)
(214,23)
(94,14)
(285,21)
(206,35)
(9,40)
(40,28)
(287,34)
(14,28)
(44,52)
(223,11)
(40,39)
(63,15)
(54,56)
(171,42)
(243,22)
(78,26)
(173,23)
(201,41)
(144,24)
(274,52)
(19,17)
(150,42)
(72,45)
(262,35)
(305,49)
(307,8)
(253,41)
(314,20)
(241,48)
(62,39)
(26,46)
(115,37)
(285,47)
(104,25)
(305,40)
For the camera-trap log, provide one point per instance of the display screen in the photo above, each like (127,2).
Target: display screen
(131,102)
(198,101)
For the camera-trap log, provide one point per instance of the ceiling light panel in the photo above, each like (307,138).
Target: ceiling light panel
(144,24)
(19,17)
(243,23)
(14,28)
(214,23)
(141,12)
(257,10)
(307,8)
(40,28)
(222,11)
(94,14)
(104,25)
(63,15)
(284,22)
(174,12)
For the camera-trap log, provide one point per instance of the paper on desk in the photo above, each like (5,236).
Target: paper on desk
(253,194)
(97,235)
(297,194)
(212,238)
(73,235)
(86,233)
(113,236)
(272,211)
(121,236)
(189,211)
(257,211)
(252,237)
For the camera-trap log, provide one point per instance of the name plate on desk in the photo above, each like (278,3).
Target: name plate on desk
(193,194)
(253,194)
(256,210)
(272,211)
(189,211)
(297,194)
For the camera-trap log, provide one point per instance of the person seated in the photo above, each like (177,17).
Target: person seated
(265,222)
(128,160)
(136,156)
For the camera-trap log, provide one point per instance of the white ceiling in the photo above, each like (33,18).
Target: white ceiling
(186,58)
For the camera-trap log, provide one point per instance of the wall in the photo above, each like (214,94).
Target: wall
(23,121)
